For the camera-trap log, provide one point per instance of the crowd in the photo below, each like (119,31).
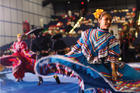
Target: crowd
(64,23)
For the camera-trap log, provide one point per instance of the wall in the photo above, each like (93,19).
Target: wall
(14,12)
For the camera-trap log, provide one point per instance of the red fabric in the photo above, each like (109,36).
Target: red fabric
(23,61)
(19,46)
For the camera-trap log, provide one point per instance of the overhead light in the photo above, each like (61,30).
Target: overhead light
(139,19)
(68,2)
(82,3)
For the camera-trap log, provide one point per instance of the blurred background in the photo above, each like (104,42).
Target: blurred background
(60,17)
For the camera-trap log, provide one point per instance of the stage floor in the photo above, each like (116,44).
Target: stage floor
(8,84)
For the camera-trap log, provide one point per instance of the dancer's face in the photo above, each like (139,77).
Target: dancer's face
(19,38)
(105,21)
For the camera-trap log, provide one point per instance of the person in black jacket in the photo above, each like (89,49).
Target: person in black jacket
(58,45)
(42,45)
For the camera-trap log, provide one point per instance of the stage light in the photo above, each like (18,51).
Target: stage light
(120,58)
(68,2)
(82,3)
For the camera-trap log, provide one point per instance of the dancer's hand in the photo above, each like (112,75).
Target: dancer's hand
(70,53)
(114,75)
(114,72)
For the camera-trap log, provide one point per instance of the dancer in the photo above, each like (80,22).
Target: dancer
(98,46)
(21,51)
(95,59)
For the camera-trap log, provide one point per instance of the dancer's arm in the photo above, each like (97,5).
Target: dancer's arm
(114,72)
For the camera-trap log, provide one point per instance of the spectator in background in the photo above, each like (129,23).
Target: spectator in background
(68,27)
(41,44)
(58,45)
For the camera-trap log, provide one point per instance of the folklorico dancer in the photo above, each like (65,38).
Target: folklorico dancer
(24,58)
(95,59)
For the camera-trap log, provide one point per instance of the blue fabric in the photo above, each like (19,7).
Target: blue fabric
(98,43)
(90,77)
(128,72)
(90,73)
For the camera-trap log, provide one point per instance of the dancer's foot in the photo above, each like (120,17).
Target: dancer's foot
(17,80)
(57,79)
(40,81)
(21,79)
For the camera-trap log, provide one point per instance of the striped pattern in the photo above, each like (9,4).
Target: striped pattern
(97,90)
(88,74)
(98,43)
(62,65)
(10,61)
(124,85)
(50,68)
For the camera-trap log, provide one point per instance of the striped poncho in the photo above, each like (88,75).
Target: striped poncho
(96,44)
